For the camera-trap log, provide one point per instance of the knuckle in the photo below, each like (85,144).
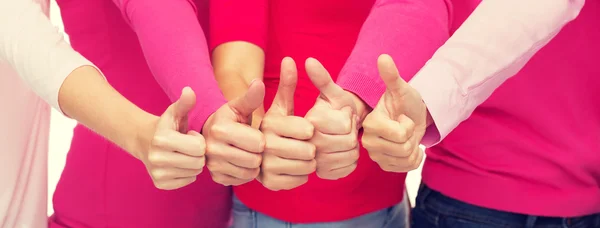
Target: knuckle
(312,166)
(266,123)
(367,142)
(218,131)
(346,124)
(326,174)
(354,155)
(159,140)
(212,149)
(157,174)
(249,174)
(221,180)
(161,185)
(374,157)
(293,184)
(387,168)
(212,165)
(407,149)
(367,123)
(199,163)
(256,161)
(155,158)
(270,184)
(401,134)
(267,163)
(410,126)
(352,142)
(311,150)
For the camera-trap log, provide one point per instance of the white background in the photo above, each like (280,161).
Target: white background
(61,131)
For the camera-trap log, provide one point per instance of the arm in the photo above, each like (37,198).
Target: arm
(238,44)
(492,45)
(59,75)
(175,49)
(408,30)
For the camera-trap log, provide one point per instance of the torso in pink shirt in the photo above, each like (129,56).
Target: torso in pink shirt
(534,146)
(103,186)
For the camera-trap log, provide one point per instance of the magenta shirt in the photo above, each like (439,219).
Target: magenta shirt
(528,145)
(103,186)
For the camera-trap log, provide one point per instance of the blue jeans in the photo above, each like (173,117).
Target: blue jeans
(434,210)
(393,217)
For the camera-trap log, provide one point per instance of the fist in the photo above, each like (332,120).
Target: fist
(395,127)
(176,155)
(335,121)
(288,158)
(234,148)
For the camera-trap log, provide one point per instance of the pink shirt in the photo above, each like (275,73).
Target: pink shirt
(148,50)
(34,58)
(530,147)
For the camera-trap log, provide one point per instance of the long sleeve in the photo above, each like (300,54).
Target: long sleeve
(176,51)
(408,30)
(238,20)
(492,45)
(36,49)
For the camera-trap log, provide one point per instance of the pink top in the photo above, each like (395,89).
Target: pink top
(148,50)
(485,161)
(34,59)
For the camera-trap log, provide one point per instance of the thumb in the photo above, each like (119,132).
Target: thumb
(390,76)
(184,104)
(253,99)
(330,91)
(287,85)
(321,79)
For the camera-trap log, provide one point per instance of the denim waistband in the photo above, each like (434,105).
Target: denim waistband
(437,204)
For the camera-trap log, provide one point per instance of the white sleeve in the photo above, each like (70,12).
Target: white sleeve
(36,49)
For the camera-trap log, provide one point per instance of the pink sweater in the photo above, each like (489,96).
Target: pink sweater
(148,50)
(533,147)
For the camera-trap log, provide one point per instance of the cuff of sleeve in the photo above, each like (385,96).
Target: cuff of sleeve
(366,88)
(204,109)
(240,33)
(444,100)
(75,62)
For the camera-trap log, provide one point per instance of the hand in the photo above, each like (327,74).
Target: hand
(394,129)
(335,120)
(234,149)
(175,156)
(288,158)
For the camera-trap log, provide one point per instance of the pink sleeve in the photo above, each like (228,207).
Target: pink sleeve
(492,45)
(175,48)
(238,20)
(408,30)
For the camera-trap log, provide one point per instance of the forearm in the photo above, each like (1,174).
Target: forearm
(236,64)
(88,98)
(492,45)
(408,30)
(176,51)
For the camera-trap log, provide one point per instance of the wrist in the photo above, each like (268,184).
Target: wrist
(362,109)
(138,143)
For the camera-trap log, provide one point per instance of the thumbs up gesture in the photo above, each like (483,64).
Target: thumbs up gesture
(288,158)
(395,127)
(175,156)
(335,120)
(233,148)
